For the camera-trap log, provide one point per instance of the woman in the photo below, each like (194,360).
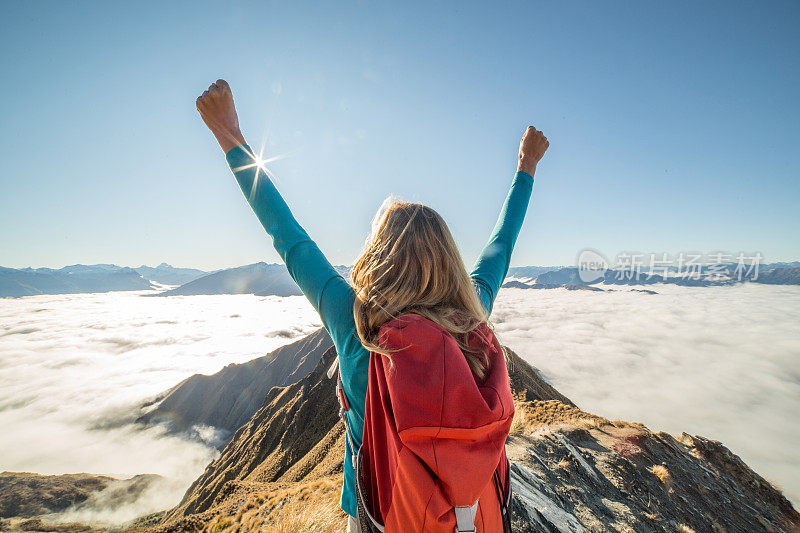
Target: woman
(410,263)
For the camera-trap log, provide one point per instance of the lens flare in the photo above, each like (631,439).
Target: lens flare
(260,163)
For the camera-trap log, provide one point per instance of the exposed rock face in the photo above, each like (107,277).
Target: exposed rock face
(572,471)
(228,399)
(621,477)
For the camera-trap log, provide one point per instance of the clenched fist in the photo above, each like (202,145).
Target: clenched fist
(219,113)
(531,149)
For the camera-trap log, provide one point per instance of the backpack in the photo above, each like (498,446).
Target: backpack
(433,457)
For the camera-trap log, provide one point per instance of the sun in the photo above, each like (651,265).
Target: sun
(260,163)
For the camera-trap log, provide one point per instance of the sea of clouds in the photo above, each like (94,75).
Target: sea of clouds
(723,362)
(75,368)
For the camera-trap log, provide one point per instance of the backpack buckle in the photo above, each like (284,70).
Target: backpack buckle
(465,518)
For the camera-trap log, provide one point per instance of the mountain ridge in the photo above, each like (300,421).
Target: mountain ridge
(272,279)
(571,471)
(228,399)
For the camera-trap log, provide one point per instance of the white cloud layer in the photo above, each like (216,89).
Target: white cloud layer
(74,368)
(722,362)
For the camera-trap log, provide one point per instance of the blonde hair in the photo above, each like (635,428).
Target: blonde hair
(410,263)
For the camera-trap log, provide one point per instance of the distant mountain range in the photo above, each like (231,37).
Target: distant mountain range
(569,278)
(70,279)
(16,282)
(273,279)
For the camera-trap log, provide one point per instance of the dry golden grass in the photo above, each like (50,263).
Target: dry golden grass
(563,464)
(297,507)
(322,518)
(685,529)
(663,475)
(531,415)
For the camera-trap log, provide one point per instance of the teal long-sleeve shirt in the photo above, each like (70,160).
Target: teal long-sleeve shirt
(333,297)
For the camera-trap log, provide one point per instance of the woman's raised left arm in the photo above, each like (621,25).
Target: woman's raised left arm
(492,266)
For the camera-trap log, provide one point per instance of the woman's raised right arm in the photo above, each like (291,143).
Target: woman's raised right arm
(325,288)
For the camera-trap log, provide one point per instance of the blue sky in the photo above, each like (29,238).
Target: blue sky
(673,126)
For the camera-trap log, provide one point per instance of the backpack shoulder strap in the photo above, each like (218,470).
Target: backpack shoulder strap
(344,406)
(505,503)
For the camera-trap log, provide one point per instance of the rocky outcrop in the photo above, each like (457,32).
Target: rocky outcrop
(228,399)
(597,475)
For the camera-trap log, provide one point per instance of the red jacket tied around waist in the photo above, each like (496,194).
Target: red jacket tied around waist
(433,434)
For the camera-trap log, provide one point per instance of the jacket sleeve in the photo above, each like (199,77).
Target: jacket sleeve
(492,265)
(325,288)
(441,415)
